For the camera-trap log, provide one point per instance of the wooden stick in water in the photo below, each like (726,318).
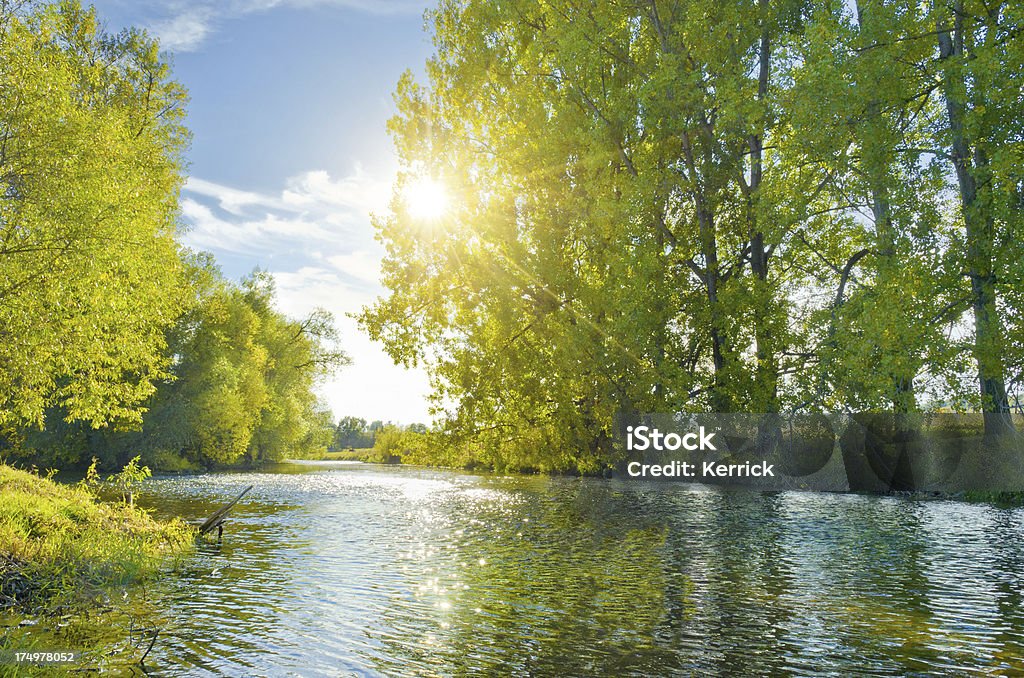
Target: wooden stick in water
(217,519)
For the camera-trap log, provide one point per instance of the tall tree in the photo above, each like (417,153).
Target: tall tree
(682,205)
(977,59)
(299,354)
(862,111)
(91,138)
(587,196)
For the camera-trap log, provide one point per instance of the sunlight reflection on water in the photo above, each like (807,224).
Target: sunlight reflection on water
(329,569)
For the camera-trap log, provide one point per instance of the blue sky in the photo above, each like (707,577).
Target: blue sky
(289,100)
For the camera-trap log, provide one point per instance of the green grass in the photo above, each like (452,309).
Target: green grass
(363,454)
(1003,499)
(60,547)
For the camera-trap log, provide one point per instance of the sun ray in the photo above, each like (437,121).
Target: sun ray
(426,198)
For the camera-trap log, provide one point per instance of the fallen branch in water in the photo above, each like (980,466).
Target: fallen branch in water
(145,654)
(216,521)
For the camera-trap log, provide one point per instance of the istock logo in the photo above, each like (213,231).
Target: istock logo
(642,438)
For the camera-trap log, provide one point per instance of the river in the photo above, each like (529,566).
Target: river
(356,569)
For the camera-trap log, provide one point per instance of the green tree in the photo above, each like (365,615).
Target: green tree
(523,290)
(697,205)
(351,432)
(979,60)
(211,407)
(398,444)
(127,480)
(90,168)
(299,354)
(244,376)
(862,112)
(241,387)
(612,182)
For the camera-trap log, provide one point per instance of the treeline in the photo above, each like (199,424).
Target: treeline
(239,388)
(385,443)
(356,433)
(727,205)
(114,340)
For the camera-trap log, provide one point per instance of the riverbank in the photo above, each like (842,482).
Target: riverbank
(60,547)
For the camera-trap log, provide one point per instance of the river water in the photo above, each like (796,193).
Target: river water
(355,569)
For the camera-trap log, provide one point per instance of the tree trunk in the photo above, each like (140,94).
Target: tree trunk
(711,277)
(720,402)
(903,397)
(980,230)
(766,396)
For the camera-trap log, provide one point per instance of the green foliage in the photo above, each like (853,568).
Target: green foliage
(114,342)
(407,445)
(243,379)
(90,168)
(128,479)
(724,206)
(654,206)
(382,443)
(240,387)
(351,432)
(92,475)
(59,546)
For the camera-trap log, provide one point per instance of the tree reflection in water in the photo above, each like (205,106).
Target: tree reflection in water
(329,569)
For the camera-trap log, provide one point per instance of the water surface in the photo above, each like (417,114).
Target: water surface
(354,569)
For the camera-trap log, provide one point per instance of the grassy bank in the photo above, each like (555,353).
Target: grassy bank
(367,454)
(60,547)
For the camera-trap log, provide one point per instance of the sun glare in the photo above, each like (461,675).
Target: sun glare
(426,198)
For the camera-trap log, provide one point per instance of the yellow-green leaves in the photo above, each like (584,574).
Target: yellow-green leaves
(90,167)
(700,204)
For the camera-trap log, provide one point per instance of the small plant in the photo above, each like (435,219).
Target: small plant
(128,479)
(92,479)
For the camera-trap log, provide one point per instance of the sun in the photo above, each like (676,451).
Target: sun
(426,198)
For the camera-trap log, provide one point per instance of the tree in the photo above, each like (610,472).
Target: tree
(211,407)
(525,297)
(241,387)
(244,376)
(351,432)
(978,60)
(91,142)
(299,354)
(396,444)
(862,113)
(696,205)
(606,218)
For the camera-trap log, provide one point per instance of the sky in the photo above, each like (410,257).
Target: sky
(290,156)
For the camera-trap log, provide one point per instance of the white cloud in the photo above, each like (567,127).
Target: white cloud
(313,213)
(186,31)
(314,236)
(189,22)
(231,199)
(360,264)
(268,235)
(359,192)
(310,287)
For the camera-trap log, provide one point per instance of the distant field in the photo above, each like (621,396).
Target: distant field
(362,454)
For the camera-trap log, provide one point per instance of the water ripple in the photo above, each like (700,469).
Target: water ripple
(368,570)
